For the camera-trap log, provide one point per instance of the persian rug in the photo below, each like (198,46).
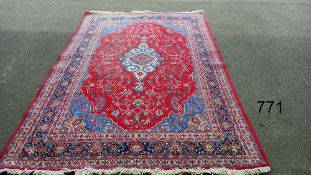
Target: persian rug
(137,92)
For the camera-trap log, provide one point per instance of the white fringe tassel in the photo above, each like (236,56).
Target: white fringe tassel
(135,12)
(87,171)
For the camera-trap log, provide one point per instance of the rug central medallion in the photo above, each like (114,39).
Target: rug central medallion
(138,75)
(142,60)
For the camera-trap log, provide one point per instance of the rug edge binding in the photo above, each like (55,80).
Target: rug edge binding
(221,171)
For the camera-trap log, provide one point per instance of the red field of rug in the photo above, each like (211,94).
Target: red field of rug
(137,92)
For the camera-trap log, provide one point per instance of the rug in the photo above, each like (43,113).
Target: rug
(132,93)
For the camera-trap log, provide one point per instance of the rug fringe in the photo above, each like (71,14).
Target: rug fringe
(135,12)
(87,171)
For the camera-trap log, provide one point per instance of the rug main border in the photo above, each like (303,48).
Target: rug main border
(218,170)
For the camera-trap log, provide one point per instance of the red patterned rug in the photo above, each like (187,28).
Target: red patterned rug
(137,92)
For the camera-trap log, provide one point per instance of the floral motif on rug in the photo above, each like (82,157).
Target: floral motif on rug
(137,92)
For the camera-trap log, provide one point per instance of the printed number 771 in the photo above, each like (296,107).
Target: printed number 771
(271,104)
